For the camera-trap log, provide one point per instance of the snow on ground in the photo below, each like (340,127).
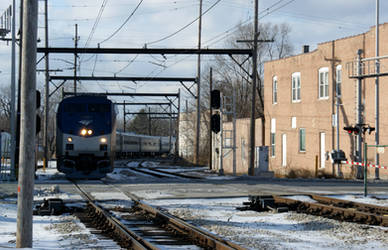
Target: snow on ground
(253,229)
(49,232)
(274,231)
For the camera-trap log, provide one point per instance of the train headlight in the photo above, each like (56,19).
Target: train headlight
(90,132)
(69,139)
(84,131)
(103,140)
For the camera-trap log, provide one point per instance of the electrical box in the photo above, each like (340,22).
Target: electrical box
(261,159)
(338,156)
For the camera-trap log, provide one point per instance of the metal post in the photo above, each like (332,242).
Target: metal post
(251,169)
(13,94)
(170,130)
(210,118)
(178,124)
(27,125)
(359,111)
(365,169)
(149,121)
(47,90)
(377,93)
(337,121)
(234,131)
(221,170)
(124,116)
(75,58)
(198,126)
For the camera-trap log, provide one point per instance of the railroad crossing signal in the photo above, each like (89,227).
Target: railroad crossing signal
(360,128)
(352,130)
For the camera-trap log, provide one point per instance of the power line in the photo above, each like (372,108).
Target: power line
(98,18)
(184,27)
(129,17)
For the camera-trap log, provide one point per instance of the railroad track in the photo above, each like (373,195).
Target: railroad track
(328,207)
(142,226)
(159,173)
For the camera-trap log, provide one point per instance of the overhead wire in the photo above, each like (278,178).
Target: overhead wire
(184,27)
(125,22)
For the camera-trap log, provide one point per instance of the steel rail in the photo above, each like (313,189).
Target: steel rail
(369,208)
(136,242)
(203,237)
(329,211)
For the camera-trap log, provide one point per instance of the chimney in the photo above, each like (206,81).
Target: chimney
(306,49)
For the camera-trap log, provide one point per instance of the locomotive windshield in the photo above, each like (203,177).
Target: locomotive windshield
(83,107)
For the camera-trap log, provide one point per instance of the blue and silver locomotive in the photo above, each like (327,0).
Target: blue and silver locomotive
(86,135)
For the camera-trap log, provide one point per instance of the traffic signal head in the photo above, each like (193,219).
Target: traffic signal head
(215,99)
(215,123)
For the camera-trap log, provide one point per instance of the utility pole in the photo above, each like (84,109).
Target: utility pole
(377,93)
(251,170)
(47,89)
(198,126)
(27,125)
(210,118)
(75,58)
(13,94)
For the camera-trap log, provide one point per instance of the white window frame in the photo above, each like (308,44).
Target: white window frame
(273,137)
(273,144)
(300,140)
(275,90)
(293,122)
(338,80)
(323,83)
(295,87)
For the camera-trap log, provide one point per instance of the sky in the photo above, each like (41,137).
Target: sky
(152,23)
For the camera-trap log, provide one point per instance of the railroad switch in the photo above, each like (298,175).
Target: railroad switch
(263,203)
(53,206)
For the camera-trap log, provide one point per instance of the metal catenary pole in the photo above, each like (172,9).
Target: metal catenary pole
(75,58)
(210,118)
(234,130)
(365,169)
(251,169)
(177,125)
(198,126)
(27,132)
(359,112)
(47,90)
(377,92)
(13,93)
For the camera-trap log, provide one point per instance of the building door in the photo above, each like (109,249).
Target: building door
(284,150)
(322,150)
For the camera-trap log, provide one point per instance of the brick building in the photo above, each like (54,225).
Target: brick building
(300,107)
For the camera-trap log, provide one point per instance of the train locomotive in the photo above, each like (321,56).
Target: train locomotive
(86,135)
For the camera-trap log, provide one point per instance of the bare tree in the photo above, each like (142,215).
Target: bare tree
(5,108)
(235,74)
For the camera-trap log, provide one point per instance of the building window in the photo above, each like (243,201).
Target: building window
(275,90)
(293,122)
(272,144)
(295,94)
(338,80)
(302,140)
(272,138)
(323,83)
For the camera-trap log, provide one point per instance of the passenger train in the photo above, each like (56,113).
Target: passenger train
(87,140)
